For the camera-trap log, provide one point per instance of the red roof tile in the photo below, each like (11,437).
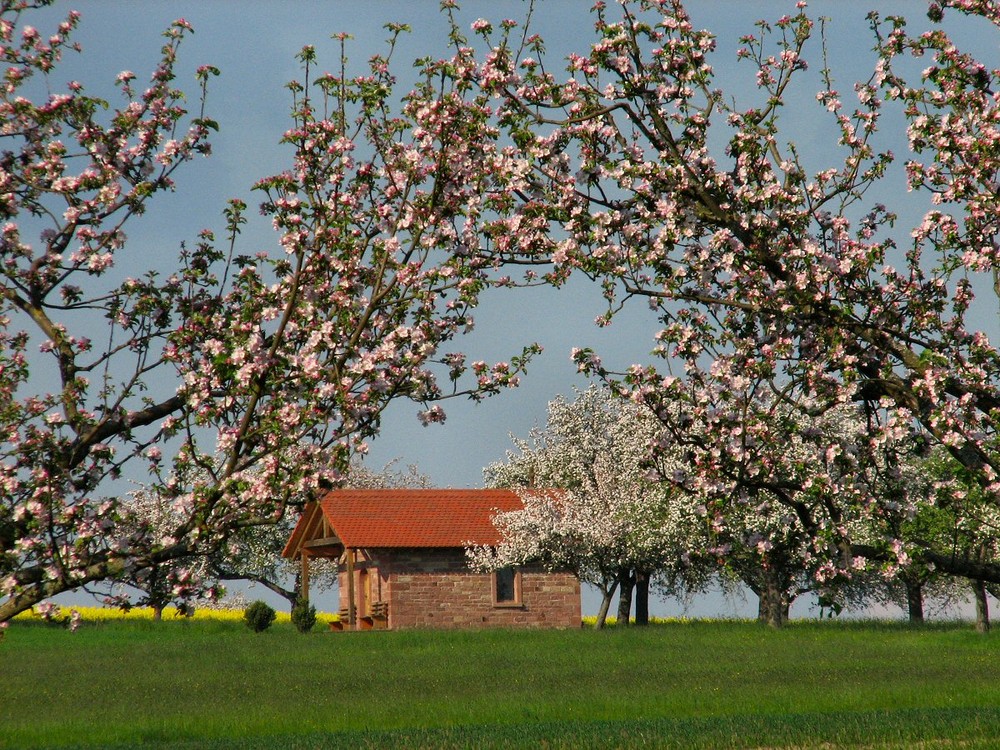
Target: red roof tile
(416,518)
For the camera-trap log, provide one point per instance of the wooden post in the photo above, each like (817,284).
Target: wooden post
(304,582)
(351,610)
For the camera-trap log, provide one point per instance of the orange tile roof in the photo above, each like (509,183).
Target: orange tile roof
(417,517)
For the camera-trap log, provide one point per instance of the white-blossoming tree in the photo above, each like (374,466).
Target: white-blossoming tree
(591,506)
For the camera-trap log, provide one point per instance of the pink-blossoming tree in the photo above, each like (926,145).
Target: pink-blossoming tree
(765,270)
(769,272)
(238,381)
(251,553)
(800,482)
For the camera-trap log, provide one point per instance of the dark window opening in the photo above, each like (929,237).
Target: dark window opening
(507,587)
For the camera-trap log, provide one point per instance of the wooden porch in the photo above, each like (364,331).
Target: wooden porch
(315,538)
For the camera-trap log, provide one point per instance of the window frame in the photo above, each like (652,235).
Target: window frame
(516,601)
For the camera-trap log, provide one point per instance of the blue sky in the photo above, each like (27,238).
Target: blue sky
(255,43)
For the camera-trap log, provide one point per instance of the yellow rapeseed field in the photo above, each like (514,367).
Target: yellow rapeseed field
(107,614)
(591,620)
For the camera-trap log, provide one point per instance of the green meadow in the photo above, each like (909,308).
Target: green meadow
(700,684)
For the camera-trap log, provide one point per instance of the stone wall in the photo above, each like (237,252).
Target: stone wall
(435,589)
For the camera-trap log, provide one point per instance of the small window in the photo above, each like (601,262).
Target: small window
(507,588)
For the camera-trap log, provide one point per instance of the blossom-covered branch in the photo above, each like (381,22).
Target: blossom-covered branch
(239,381)
(764,265)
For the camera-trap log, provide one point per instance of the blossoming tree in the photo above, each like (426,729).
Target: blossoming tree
(961,521)
(251,553)
(238,380)
(763,263)
(590,504)
(792,485)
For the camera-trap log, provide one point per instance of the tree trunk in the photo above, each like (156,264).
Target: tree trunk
(626,582)
(602,613)
(771,604)
(982,607)
(641,598)
(915,600)
(157,612)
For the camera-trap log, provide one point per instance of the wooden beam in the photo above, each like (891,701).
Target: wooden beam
(305,576)
(326,541)
(351,608)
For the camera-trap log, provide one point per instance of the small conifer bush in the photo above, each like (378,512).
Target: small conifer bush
(259,616)
(303,616)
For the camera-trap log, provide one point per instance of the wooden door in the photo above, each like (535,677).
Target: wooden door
(364,593)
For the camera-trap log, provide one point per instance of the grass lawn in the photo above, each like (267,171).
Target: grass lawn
(214,684)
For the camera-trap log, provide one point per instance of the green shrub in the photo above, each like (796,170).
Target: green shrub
(259,616)
(303,616)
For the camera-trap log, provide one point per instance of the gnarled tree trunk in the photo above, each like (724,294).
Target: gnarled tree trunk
(982,607)
(915,600)
(641,598)
(626,582)
(771,607)
(606,596)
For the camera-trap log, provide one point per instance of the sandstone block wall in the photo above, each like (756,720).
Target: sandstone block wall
(435,589)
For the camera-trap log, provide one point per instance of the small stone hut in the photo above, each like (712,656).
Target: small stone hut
(401,562)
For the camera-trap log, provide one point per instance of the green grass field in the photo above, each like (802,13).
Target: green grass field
(214,684)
